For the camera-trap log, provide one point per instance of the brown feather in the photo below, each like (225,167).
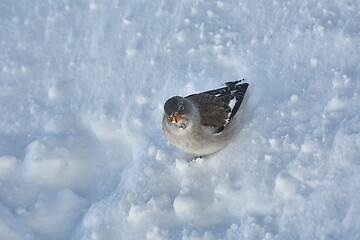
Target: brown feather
(214,111)
(214,106)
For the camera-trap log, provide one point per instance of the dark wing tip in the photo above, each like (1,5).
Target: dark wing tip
(239,95)
(234,83)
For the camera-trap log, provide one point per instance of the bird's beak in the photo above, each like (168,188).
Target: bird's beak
(176,117)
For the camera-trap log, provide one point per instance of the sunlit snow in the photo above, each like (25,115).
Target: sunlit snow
(82,88)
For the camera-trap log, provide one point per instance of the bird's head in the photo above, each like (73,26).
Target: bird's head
(178,109)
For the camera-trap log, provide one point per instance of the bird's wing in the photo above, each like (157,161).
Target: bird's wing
(214,105)
(213,110)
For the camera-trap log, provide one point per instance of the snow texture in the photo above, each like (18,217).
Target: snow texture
(82,88)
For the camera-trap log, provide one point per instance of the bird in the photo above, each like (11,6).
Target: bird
(203,123)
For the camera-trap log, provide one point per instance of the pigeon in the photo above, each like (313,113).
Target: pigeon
(203,123)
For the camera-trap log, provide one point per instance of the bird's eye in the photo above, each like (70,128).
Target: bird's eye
(181,107)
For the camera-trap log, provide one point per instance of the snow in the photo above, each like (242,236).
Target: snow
(82,88)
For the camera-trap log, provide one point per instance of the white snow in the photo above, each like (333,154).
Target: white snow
(82,88)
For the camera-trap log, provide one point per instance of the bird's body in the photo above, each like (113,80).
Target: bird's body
(202,123)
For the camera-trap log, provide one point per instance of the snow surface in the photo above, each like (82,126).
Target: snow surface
(82,86)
